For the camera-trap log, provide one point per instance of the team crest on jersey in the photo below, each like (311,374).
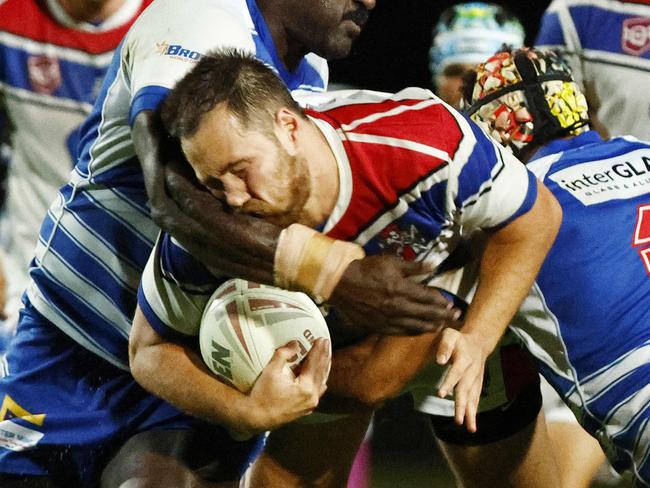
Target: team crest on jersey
(636,36)
(406,243)
(44,74)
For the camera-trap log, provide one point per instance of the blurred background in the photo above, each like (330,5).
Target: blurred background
(393,49)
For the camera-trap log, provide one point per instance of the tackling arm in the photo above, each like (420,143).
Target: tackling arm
(379,367)
(510,263)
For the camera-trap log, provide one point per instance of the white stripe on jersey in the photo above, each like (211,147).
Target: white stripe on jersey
(62,53)
(120,135)
(83,289)
(52,313)
(56,103)
(390,113)
(622,61)
(538,328)
(599,382)
(395,142)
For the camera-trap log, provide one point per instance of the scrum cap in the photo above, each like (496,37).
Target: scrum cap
(525,98)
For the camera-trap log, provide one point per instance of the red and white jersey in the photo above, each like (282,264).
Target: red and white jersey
(51,69)
(414,175)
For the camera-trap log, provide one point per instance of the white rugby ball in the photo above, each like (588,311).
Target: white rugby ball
(245,322)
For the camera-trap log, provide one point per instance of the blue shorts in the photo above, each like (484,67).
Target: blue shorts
(65,411)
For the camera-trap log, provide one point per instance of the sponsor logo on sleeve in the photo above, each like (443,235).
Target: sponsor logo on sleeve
(16,437)
(177,51)
(636,36)
(609,179)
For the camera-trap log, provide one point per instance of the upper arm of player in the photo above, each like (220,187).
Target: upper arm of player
(170,37)
(174,290)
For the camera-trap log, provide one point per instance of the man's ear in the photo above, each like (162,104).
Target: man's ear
(287,124)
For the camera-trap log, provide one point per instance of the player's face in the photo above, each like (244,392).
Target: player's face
(328,27)
(248,169)
(450,83)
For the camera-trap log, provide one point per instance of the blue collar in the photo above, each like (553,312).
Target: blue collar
(267,40)
(561,145)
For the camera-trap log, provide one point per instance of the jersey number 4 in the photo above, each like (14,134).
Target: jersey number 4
(642,234)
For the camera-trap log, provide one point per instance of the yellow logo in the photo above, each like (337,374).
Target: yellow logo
(10,409)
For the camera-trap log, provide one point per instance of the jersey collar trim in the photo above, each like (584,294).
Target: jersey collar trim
(561,145)
(345,173)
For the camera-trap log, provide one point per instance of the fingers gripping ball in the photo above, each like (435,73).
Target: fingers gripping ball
(244,323)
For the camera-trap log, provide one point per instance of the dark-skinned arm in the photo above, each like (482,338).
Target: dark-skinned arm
(244,246)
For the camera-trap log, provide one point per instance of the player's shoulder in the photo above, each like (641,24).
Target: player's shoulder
(16,12)
(173,8)
(194,18)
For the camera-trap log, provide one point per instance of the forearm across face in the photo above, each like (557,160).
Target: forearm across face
(234,244)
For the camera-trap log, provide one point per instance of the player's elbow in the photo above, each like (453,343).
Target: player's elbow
(137,363)
(141,341)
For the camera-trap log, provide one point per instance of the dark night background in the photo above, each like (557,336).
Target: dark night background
(392,52)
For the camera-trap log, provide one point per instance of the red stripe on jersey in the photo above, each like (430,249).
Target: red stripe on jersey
(380,174)
(346,114)
(432,126)
(32,20)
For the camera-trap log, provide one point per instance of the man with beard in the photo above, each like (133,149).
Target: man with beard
(70,407)
(402,174)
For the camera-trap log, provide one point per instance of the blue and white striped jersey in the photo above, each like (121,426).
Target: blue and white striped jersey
(97,236)
(587,320)
(608,45)
(51,70)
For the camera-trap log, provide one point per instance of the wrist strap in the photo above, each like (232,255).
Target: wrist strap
(311,262)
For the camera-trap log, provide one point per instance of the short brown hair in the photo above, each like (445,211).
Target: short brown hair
(251,90)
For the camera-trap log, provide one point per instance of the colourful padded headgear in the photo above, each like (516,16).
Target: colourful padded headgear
(470,32)
(526,98)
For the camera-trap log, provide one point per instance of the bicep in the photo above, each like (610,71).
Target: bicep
(142,333)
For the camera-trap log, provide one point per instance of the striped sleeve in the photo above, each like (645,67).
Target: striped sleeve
(493,187)
(550,33)
(170,38)
(174,290)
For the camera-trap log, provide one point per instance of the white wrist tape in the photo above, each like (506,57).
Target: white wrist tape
(311,262)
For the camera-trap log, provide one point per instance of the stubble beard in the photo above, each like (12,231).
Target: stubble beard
(291,196)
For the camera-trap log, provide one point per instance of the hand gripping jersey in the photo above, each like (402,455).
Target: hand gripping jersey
(51,68)
(97,236)
(608,45)
(414,174)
